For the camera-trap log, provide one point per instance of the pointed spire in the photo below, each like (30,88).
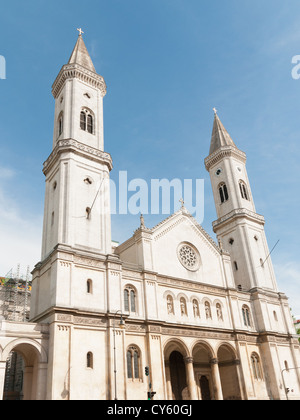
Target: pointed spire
(80,54)
(220,136)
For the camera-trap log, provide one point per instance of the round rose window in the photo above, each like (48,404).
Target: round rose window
(188,257)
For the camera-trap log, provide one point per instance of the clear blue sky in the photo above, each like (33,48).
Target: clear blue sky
(167,63)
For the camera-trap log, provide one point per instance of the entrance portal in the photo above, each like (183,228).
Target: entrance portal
(178,376)
(204,387)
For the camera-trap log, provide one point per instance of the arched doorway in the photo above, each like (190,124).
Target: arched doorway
(25,373)
(178,376)
(228,368)
(205,388)
(202,355)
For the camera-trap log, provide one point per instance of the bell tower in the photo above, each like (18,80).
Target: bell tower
(239,228)
(77,202)
(77,222)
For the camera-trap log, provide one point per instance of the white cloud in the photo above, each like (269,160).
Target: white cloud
(20,233)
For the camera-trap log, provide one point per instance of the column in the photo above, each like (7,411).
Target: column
(168,380)
(216,379)
(41,388)
(2,378)
(190,378)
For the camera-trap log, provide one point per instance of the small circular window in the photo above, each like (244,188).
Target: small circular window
(188,256)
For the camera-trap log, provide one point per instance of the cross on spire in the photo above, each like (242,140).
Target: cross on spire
(215,111)
(80,31)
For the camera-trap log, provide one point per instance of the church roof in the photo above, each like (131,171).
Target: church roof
(81,56)
(220,136)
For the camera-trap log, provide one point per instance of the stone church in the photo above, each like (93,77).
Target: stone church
(205,318)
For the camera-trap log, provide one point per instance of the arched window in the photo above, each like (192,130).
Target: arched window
(223,192)
(83,120)
(244,190)
(207,310)
(196,308)
(256,366)
(183,309)
(89,286)
(170,305)
(89,360)
(90,124)
(60,124)
(87,121)
(246,316)
(133,363)
(130,303)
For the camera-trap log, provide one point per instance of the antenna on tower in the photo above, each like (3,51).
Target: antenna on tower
(270,252)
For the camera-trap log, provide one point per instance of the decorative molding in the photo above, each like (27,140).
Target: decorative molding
(224,152)
(67,145)
(239,213)
(76,71)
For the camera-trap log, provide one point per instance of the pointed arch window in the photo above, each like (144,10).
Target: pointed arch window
(244,190)
(223,191)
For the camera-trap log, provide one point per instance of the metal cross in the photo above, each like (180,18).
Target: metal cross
(215,111)
(80,31)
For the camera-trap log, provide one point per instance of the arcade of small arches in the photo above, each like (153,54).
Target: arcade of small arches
(196,372)
(202,373)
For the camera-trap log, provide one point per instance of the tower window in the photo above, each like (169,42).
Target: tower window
(89,360)
(60,124)
(235,265)
(90,124)
(87,121)
(244,190)
(89,286)
(83,121)
(223,192)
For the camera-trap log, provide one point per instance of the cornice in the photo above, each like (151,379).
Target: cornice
(224,152)
(76,71)
(236,214)
(71,145)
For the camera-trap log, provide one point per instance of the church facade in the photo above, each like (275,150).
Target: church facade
(205,319)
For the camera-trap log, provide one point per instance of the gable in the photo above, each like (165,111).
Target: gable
(181,248)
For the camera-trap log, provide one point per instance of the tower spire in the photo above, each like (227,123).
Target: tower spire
(80,54)
(220,136)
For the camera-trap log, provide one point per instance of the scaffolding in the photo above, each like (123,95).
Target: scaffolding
(15,294)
